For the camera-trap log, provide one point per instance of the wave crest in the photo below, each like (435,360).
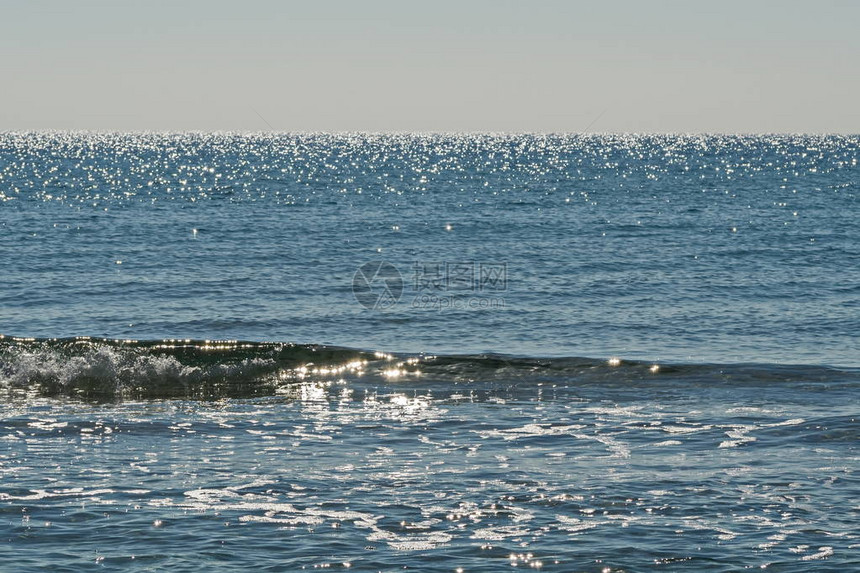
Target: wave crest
(94,368)
(105,369)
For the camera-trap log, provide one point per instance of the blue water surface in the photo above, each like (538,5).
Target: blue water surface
(683,248)
(602,353)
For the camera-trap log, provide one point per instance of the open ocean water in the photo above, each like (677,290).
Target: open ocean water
(429,352)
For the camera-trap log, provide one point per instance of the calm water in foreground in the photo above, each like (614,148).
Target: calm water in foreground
(565,353)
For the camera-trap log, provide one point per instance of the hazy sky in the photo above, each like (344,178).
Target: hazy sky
(401,65)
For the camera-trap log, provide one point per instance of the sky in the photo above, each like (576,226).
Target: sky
(447,66)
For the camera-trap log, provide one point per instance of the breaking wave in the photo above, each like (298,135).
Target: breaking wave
(107,369)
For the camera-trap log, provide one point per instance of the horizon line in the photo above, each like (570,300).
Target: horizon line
(249,132)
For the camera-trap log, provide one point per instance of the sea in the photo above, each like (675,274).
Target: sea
(429,352)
